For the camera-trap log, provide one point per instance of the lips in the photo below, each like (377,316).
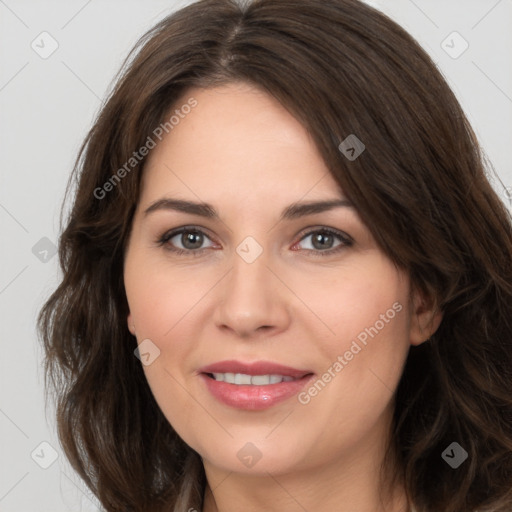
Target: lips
(256,368)
(253,386)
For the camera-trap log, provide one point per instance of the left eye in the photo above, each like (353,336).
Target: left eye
(322,240)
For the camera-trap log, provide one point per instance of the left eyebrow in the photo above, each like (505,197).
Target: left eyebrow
(297,210)
(293,211)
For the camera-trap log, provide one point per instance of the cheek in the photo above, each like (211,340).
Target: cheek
(366,345)
(159,312)
(159,296)
(162,303)
(366,302)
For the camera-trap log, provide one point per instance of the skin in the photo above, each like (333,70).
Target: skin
(243,153)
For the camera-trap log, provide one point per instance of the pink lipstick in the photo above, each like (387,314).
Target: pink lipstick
(253,386)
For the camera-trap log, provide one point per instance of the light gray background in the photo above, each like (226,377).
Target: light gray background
(48,105)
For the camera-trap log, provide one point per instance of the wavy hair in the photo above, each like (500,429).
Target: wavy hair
(340,67)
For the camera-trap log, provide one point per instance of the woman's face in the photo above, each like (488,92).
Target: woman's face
(262,281)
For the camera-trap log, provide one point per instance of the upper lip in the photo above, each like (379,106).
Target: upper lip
(254,368)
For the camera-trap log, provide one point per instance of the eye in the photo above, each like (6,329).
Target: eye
(185,240)
(189,241)
(323,241)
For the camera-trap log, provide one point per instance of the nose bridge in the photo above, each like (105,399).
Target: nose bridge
(250,296)
(250,278)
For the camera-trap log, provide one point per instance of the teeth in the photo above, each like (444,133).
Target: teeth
(255,380)
(240,378)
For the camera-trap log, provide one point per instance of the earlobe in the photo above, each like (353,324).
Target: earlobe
(131,325)
(425,318)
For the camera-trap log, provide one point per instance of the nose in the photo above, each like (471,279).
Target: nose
(252,301)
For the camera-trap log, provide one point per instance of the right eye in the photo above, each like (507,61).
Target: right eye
(190,238)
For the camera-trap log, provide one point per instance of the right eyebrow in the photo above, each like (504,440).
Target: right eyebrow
(180,205)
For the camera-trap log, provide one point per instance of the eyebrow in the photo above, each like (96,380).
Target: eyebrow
(293,211)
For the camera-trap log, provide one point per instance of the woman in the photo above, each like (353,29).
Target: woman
(286,279)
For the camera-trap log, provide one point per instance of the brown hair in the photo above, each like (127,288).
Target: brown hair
(340,67)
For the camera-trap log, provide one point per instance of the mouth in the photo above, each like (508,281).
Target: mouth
(244,379)
(253,386)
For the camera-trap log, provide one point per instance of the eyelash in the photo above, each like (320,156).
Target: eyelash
(345,239)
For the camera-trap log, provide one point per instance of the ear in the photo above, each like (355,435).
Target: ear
(425,317)
(131,325)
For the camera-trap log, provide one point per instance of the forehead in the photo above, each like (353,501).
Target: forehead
(236,139)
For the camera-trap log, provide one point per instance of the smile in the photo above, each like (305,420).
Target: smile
(253,380)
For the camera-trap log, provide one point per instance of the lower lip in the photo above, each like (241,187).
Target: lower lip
(254,398)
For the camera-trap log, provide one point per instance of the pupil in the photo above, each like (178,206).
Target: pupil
(192,240)
(320,238)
